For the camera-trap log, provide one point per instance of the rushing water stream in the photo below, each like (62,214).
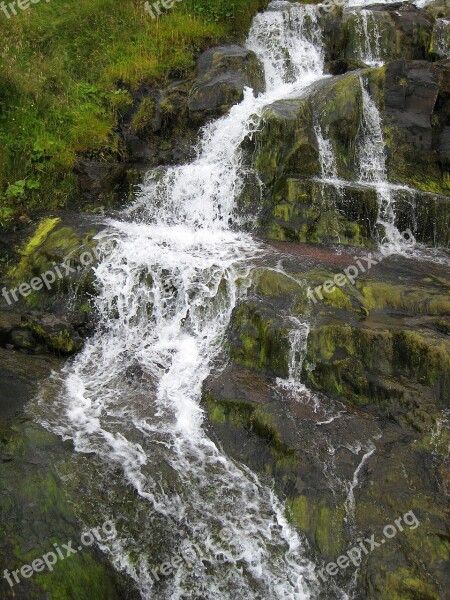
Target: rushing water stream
(166,291)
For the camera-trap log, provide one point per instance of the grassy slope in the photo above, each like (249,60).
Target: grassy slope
(66,68)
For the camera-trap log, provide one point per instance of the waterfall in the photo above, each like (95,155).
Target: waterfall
(288,39)
(441,36)
(328,166)
(369,38)
(131,399)
(372,171)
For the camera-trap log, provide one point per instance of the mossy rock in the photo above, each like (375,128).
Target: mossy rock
(66,251)
(338,106)
(37,515)
(223,73)
(258,340)
(353,363)
(286,143)
(322,213)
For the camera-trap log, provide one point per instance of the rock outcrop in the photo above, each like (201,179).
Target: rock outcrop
(372,449)
(223,73)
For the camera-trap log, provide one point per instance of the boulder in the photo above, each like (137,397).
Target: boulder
(54,277)
(415,100)
(343,65)
(223,73)
(323,213)
(286,144)
(55,333)
(103,182)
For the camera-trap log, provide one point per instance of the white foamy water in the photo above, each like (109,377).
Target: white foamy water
(358,3)
(328,166)
(369,49)
(288,39)
(372,170)
(131,399)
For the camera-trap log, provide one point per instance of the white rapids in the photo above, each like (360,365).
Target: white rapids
(166,291)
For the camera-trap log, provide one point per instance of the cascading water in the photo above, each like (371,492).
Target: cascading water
(372,170)
(288,39)
(369,38)
(328,166)
(131,400)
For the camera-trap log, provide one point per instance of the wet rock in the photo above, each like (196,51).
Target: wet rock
(57,334)
(102,182)
(427,215)
(415,99)
(286,143)
(34,502)
(223,73)
(325,213)
(341,66)
(258,339)
(378,33)
(376,446)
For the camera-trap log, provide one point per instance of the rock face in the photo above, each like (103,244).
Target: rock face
(416,116)
(299,204)
(53,314)
(372,449)
(223,73)
(35,507)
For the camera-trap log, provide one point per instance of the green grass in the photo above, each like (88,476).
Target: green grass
(66,71)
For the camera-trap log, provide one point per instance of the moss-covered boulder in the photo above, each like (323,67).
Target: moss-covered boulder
(338,109)
(322,213)
(52,278)
(61,253)
(286,143)
(223,73)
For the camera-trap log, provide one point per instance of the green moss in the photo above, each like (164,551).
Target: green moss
(32,487)
(43,230)
(403,585)
(50,246)
(320,522)
(258,341)
(145,119)
(64,87)
(273,283)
